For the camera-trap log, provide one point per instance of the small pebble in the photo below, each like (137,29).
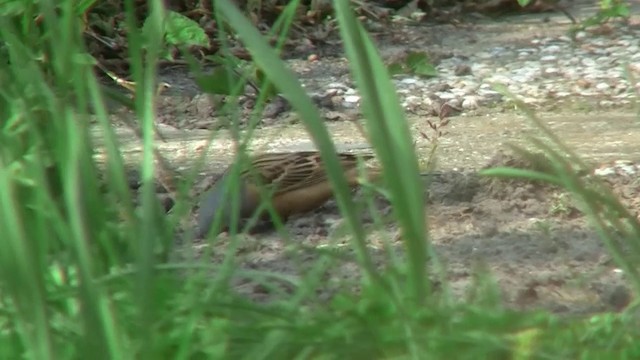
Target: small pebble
(588,66)
(470,103)
(462,69)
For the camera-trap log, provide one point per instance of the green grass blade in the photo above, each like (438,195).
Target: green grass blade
(391,138)
(267,60)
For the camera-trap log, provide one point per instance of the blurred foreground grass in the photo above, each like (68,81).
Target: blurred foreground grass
(83,274)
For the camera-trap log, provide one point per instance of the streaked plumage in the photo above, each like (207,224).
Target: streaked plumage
(297,181)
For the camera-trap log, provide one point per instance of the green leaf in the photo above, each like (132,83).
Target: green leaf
(221,81)
(425,69)
(265,85)
(619,10)
(180,30)
(419,64)
(395,69)
(415,58)
(12,8)
(83,6)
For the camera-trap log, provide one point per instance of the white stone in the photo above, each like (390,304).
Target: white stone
(445,95)
(409,81)
(552,49)
(336,85)
(470,102)
(552,71)
(352,99)
(581,35)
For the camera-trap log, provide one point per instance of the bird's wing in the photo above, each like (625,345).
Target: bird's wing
(293,171)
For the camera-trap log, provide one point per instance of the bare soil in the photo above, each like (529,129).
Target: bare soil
(530,237)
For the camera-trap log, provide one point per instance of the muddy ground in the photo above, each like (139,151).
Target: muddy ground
(530,237)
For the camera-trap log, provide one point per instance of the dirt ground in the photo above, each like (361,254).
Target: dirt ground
(531,239)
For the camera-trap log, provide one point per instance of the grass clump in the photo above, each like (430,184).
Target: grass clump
(84,274)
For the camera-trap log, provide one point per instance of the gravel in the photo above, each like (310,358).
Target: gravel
(547,71)
(590,67)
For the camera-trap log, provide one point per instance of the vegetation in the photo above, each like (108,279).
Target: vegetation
(84,274)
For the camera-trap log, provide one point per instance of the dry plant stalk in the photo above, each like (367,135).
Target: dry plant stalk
(437,133)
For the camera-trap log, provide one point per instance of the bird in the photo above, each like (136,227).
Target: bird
(296,182)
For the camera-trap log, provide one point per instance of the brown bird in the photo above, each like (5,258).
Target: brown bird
(296,182)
